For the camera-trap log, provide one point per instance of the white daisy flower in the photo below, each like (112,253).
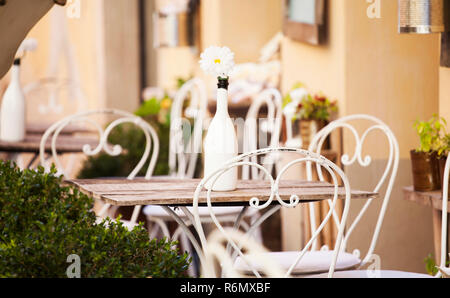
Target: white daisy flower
(217,61)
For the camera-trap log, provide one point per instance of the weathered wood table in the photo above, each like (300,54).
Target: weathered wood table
(180,192)
(432,199)
(168,193)
(67,142)
(39,128)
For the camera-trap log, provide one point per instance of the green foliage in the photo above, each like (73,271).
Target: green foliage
(132,140)
(288,99)
(433,136)
(42,223)
(149,107)
(312,107)
(318,107)
(431,265)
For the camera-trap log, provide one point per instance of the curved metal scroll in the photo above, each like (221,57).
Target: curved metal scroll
(388,175)
(103,145)
(275,199)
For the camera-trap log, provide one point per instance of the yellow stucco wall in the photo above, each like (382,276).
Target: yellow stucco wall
(83,34)
(444,93)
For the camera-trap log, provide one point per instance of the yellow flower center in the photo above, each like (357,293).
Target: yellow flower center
(217,61)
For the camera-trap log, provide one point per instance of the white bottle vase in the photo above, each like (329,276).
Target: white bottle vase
(12,118)
(220,144)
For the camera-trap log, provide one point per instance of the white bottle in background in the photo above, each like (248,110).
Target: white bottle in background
(220,144)
(12,118)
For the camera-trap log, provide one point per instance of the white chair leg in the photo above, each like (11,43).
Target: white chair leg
(152,230)
(158,223)
(135,215)
(177,234)
(186,246)
(257,234)
(18,159)
(104,210)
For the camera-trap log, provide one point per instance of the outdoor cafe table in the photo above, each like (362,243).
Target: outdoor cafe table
(67,142)
(431,199)
(168,192)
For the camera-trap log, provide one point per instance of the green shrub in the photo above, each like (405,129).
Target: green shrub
(43,222)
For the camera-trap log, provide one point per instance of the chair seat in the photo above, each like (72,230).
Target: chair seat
(312,262)
(372,274)
(158,211)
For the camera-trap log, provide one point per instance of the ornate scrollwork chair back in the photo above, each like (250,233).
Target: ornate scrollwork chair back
(272,99)
(387,179)
(274,203)
(185,146)
(150,154)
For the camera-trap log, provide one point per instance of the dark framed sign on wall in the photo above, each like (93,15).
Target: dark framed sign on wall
(305,21)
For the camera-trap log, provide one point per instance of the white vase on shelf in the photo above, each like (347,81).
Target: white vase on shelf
(12,118)
(220,144)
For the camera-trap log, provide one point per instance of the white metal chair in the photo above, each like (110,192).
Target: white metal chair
(389,175)
(387,179)
(150,153)
(291,262)
(444,270)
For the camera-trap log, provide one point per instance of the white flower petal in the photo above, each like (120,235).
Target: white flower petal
(217,61)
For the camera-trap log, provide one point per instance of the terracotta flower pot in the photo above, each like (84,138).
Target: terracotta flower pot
(425,168)
(308,128)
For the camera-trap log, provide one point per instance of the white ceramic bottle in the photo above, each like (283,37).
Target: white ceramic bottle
(12,118)
(220,144)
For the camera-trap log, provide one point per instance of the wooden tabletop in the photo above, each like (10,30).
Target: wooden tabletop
(176,192)
(428,198)
(32,142)
(39,128)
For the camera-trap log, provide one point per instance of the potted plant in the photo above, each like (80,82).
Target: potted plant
(310,112)
(425,159)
